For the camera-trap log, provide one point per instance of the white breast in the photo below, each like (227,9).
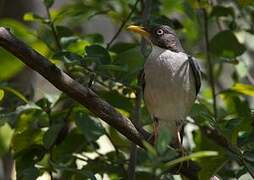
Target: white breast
(169,86)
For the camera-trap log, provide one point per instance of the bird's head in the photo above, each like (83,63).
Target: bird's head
(159,35)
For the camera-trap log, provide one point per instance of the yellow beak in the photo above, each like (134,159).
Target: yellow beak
(138,29)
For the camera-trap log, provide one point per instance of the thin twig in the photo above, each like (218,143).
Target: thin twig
(123,24)
(53,29)
(209,63)
(146,9)
(135,120)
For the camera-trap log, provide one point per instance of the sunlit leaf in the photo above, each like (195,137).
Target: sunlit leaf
(245,89)
(16,93)
(30,16)
(1,94)
(5,138)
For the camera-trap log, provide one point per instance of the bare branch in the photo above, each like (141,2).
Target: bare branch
(65,83)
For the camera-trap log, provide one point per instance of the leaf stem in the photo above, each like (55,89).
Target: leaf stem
(53,29)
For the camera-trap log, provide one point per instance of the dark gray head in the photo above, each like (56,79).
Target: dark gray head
(160,35)
(165,37)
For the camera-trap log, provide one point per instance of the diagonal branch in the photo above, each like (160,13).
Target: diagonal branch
(65,83)
(81,94)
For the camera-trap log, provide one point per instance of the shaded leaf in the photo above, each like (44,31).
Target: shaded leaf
(245,2)
(210,165)
(218,11)
(163,140)
(201,114)
(91,128)
(51,135)
(48,3)
(225,44)
(63,31)
(98,53)
(74,142)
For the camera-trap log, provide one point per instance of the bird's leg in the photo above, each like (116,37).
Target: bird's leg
(180,147)
(179,143)
(155,130)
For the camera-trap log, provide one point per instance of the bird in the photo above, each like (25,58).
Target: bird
(171,79)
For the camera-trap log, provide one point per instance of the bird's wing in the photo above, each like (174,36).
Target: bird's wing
(196,72)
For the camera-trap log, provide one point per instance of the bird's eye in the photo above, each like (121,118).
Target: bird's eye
(159,32)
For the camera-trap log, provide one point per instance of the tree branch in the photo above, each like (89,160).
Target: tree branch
(81,94)
(65,83)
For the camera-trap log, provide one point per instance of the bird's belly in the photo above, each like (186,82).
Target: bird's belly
(169,89)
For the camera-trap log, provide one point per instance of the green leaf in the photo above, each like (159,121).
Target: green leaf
(48,3)
(51,135)
(30,173)
(133,60)
(240,120)
(1,94)
(218,11)
(63,31)
(75,142)
(201,114)
(225,44)
(117,100)
(249,166)
(151,150)
(98,53)
(90,127)
(249,156)
(111,67)
(15,92)
(245,89)
(163,140)
(245,2)
(30,16)
(121,47)
(197,155)
(5,138)
(94,38)
(213,164)
(10,65)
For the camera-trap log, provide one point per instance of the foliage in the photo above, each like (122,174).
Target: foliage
(60,137)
